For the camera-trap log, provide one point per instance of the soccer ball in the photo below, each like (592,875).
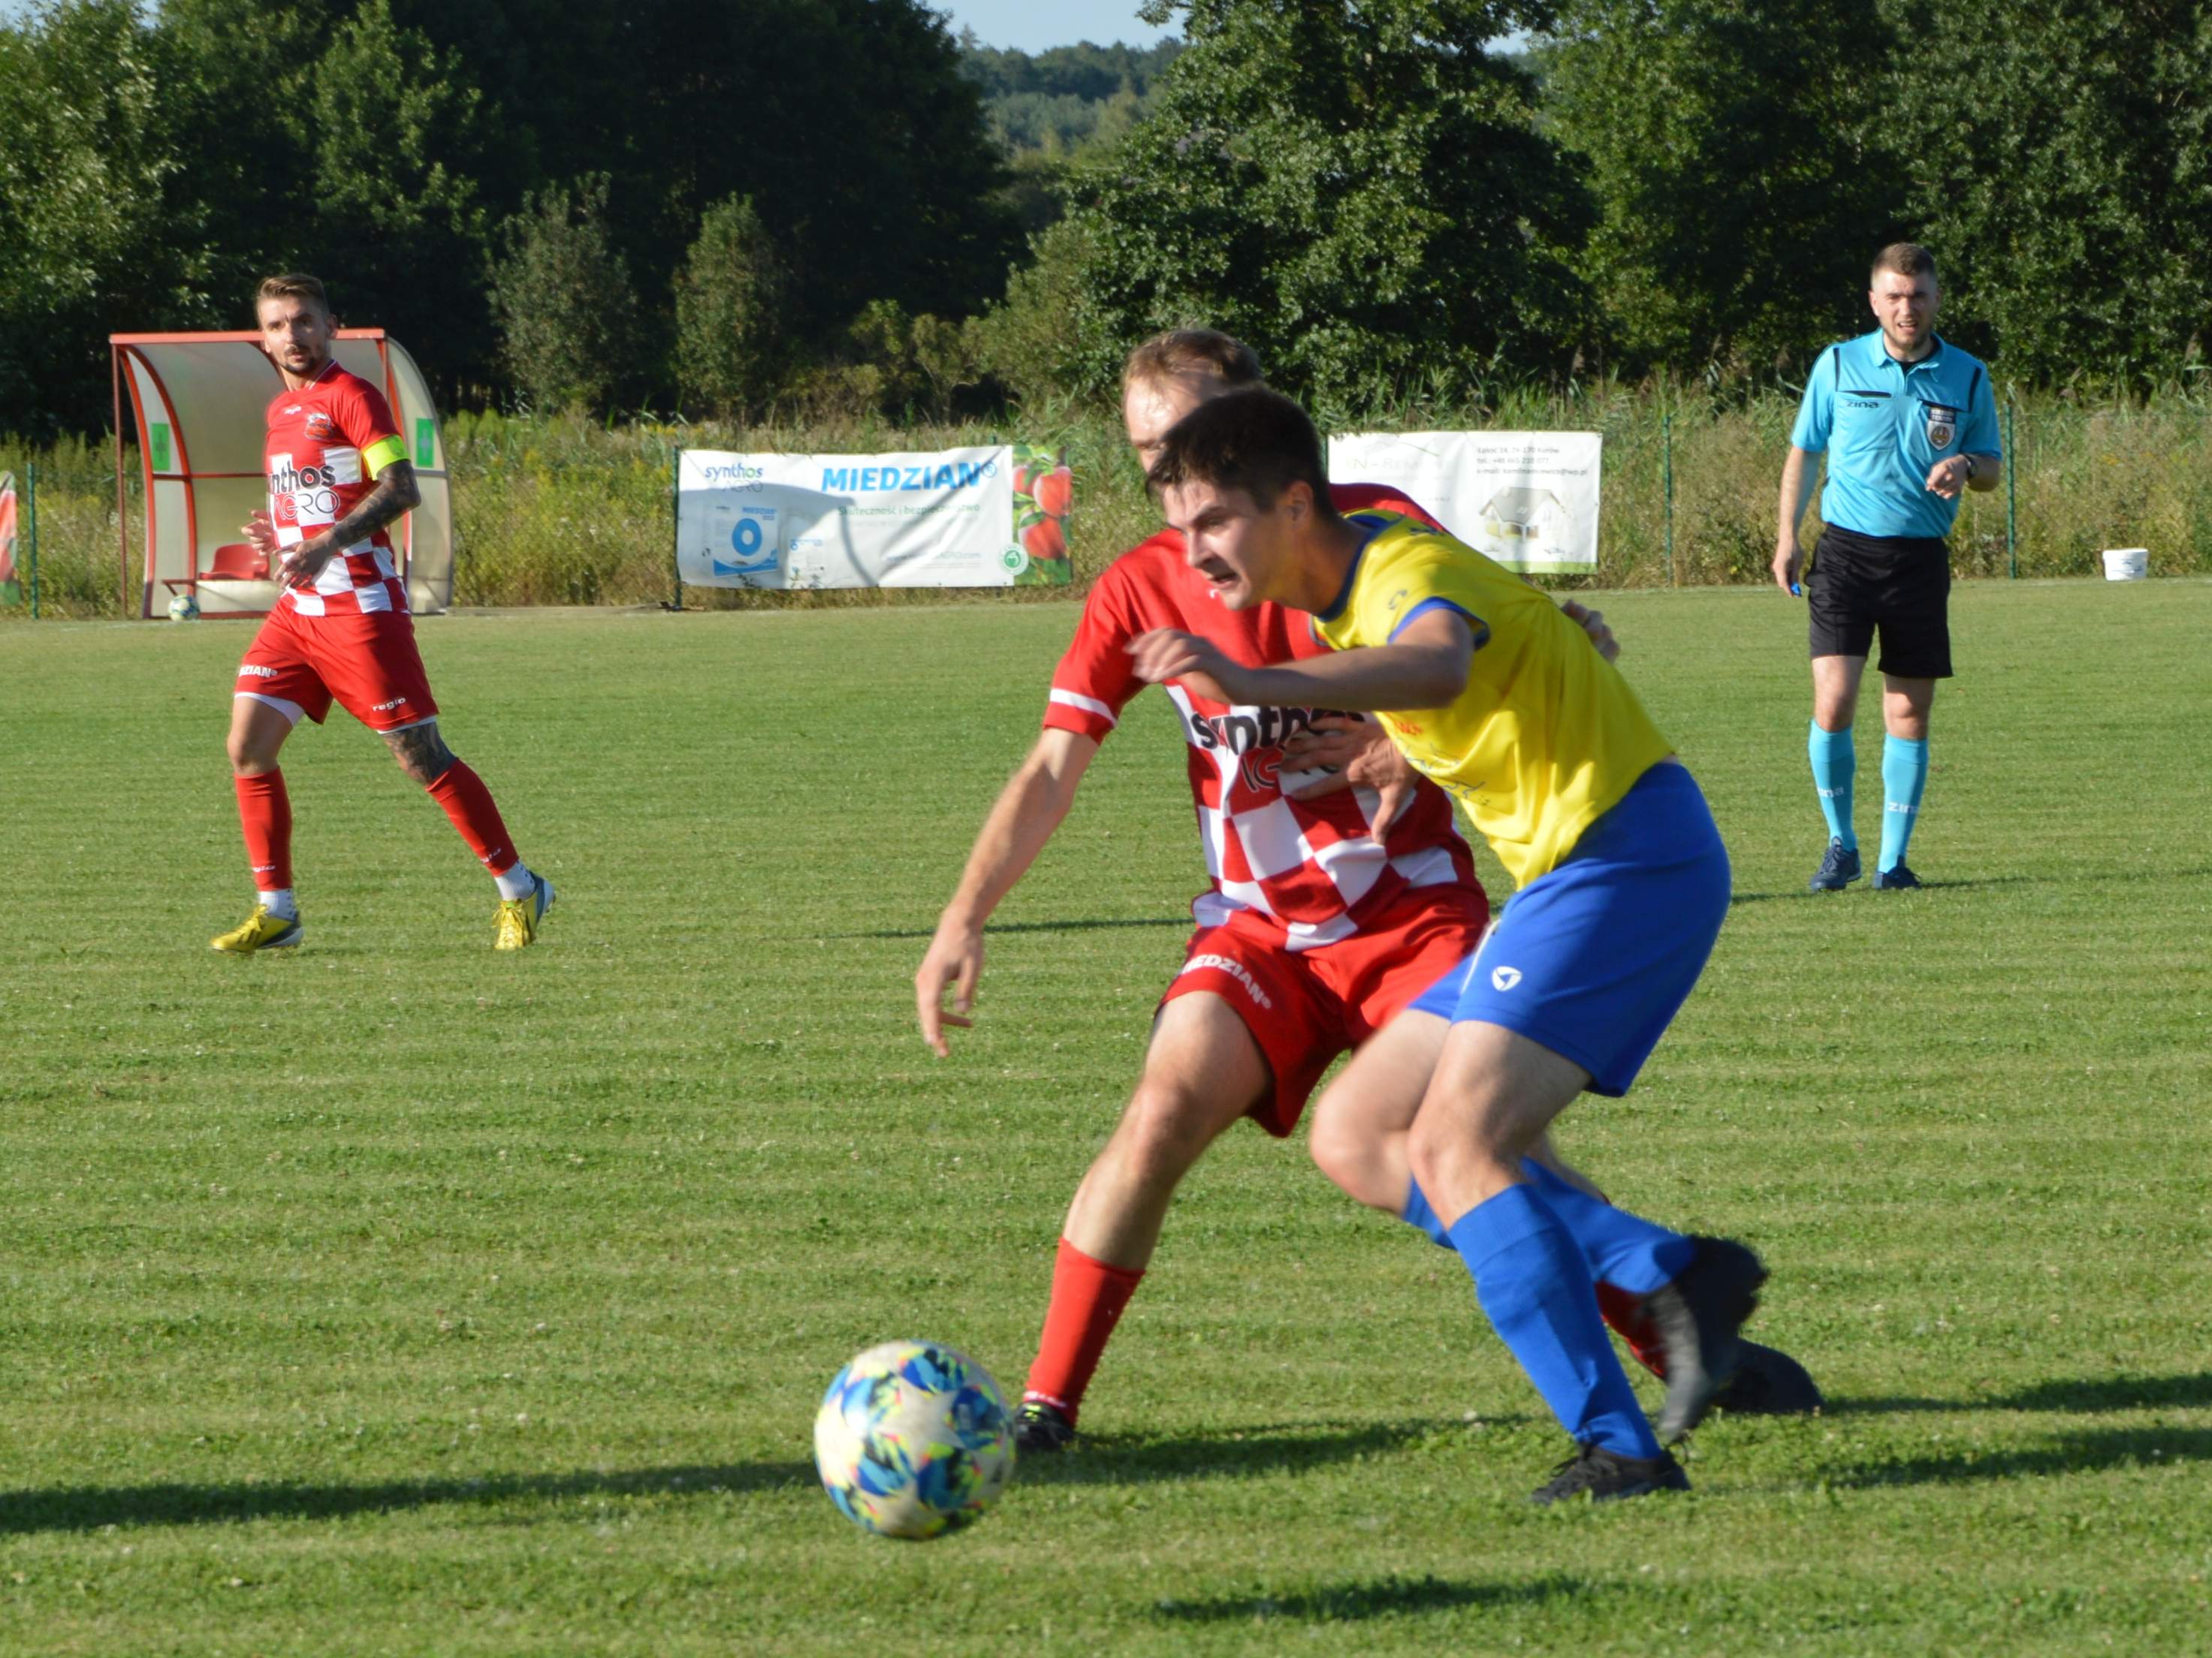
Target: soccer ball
(913,1439)
(183,608)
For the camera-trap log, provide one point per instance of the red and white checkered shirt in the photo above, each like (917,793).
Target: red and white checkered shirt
(326,443)
(1310,866)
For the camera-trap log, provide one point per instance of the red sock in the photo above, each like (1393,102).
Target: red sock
(1087,1299)
(468,804)
(264,812)
(1624,1312)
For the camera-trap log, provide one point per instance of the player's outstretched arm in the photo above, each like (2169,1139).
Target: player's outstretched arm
(1028,809)
(1425,666)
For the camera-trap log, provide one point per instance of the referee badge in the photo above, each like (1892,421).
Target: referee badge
(1942,424)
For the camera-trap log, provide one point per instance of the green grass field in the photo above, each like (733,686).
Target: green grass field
(394,1297)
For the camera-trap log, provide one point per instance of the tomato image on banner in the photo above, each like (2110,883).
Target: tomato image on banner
(1044,495)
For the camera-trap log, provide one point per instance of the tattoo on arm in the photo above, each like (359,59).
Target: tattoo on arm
(396,495)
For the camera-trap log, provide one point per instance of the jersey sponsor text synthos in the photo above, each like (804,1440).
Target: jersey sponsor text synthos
(327,441)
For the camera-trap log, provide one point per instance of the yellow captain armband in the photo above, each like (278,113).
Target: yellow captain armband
(380,454)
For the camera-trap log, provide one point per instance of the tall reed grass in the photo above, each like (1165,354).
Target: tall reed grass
(564,511)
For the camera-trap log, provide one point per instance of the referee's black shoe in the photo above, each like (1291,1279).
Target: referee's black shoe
(1838,869)
(1895,878)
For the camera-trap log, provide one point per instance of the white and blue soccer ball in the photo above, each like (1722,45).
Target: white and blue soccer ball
(183,608)
(913,1440)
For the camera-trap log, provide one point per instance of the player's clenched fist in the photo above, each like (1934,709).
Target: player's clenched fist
(260,531)
(1164,653)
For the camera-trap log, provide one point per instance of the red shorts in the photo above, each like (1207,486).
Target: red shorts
(366,660)
(1306,1007)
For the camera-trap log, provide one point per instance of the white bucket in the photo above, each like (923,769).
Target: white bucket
(2126,563)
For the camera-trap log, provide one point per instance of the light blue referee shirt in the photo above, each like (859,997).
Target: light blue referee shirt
(1884,423)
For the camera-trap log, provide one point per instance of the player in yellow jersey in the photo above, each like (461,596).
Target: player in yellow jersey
(1624,881)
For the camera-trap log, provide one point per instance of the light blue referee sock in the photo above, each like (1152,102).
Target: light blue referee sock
(1833,764)
(1904,775)
(1624,1250)
(1535,1287)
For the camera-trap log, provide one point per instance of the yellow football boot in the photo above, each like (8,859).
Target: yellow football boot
(518,917)
(259,930)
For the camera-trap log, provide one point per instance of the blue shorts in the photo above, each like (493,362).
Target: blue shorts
(1592,958)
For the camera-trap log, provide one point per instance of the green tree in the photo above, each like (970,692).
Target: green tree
(565,304)
(393,123)
(101,230)
(1358,190)
(847,122)
(343,141)
(730,314)
(1738,159)
(155,159)
(910,365)
(2061,169)
(1039,340)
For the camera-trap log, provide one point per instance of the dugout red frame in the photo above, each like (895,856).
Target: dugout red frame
(197,403)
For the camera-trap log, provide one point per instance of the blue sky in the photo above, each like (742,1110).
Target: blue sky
(1034,25)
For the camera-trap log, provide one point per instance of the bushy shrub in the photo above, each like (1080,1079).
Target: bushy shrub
(565,304)
(731,321)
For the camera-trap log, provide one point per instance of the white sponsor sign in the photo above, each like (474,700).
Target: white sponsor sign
(1526,499)
(907,520)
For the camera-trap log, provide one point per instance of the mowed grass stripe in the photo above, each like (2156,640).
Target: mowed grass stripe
(395,1295)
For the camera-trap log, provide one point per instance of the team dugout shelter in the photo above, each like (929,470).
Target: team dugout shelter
(200,402)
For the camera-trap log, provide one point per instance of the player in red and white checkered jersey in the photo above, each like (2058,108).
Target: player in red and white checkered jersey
(1310,939)
(1305,871)
(338,476)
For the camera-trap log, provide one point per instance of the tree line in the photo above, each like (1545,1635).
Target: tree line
(794,203)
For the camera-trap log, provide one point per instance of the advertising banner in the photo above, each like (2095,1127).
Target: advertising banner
(11,591)
(993,517)
(1526,498)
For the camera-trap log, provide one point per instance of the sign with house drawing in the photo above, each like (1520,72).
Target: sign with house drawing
(1526,499)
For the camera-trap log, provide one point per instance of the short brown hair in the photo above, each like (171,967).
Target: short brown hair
(291,285)
(1192,351)
(1253,438)
(1905,258)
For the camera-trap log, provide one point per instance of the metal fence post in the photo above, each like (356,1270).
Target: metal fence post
(676,526)
(1666,477)
(2012,496)
(31,529)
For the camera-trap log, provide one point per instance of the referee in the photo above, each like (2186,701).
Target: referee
(1909,424)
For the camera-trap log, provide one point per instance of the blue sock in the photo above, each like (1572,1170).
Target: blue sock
(1904,774)
(1834,762)
(1619,1248)
(1423,1219)
(1536,1290)
(1624,1250)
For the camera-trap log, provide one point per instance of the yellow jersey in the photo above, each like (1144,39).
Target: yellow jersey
(1546,738)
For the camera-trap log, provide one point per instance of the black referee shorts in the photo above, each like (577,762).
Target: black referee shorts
(1900,585)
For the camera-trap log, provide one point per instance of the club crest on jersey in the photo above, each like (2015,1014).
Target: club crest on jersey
(321,427)
(1942,424)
